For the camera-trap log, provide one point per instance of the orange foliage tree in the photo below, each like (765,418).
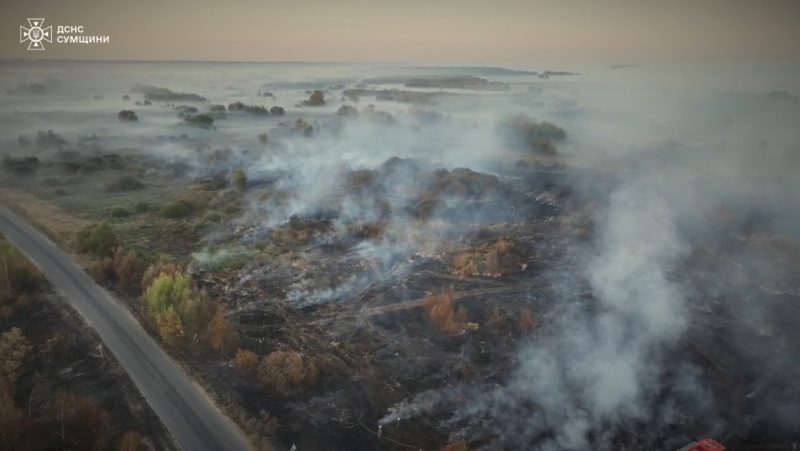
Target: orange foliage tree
(131,441)
(79,423)
(245,362)
(127,269)
(284,371)
(443,314)
(221,333)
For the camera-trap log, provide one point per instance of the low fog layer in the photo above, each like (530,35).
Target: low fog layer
(689,171)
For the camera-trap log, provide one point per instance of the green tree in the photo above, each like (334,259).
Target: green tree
(168,290)
(170,326)
(177,307)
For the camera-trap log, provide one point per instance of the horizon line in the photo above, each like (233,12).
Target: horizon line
(221,61)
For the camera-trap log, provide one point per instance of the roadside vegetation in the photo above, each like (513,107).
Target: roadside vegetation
(183,315)
(53,377)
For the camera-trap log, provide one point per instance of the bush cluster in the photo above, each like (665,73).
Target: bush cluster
(182,313)
(317,98)
(127,116)
(199,120)
(98,239)
(177,209)
(524,133)
(124,183)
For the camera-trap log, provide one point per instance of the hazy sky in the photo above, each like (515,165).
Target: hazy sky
(508,32)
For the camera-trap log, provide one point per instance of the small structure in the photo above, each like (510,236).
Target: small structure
(705,444)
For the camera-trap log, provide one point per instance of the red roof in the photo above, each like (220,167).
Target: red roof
(707,444)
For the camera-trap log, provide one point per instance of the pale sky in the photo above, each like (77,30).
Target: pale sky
(502,32)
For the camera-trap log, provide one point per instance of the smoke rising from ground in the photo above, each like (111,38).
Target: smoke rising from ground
(671,167)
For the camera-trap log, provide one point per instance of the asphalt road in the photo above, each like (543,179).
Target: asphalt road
(181,404)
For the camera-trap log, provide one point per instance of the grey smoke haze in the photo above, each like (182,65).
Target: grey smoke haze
(677,147)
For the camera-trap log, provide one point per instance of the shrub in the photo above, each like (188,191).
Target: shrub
(167,291)
(127,116)
(18,274)
(177,209)
(245,362)
(458,446)
(317,98)
(125,183)
(200,120)
(142,207)
(347,111)
(186,110)
(252,109)
(526,320)
(102,270)
(380,116)
(14,349)
(49,139)
(263,138)
(163,265)
(162,297)
(303,127)
(98,239)
(10,415)
(177,307)
(128,269)
(21,166)
(240,179)
(214,217)
(165,95)
(131,441)
(443,315)
(120,212)
(259,110)
(82,423)
(220,332)
(523,133)
(282,372)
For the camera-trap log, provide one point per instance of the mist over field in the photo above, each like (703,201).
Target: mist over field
(676,188)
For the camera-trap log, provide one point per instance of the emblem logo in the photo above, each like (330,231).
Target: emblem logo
(35,35)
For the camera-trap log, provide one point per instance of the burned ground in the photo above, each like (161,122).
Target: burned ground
(339,283)
(419,275)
